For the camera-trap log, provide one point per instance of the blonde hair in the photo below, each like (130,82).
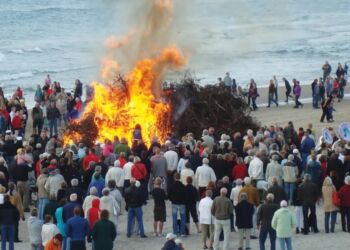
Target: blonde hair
(327,181)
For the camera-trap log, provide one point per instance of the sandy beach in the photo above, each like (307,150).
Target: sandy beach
(276,116)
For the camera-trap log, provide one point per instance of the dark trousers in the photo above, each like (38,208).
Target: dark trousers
(264,231)
(297,103)
(78,245)
(330,215)
(288,94)
(324,113)
(193,211)
(7,234)
(310,221)
(345,218)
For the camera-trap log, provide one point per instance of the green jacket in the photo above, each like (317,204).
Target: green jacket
(104,234)
(122,147)
(283,222)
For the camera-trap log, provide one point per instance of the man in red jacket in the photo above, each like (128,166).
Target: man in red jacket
(89,158)
(344,196)
(139,172)
(240,170)
(16,122)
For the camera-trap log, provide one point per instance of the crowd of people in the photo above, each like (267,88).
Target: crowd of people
(324,90)
(261,183)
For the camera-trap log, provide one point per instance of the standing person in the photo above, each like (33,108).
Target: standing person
(43,195)
(34,229)
(330,209)
(77,229)
(272,92)
(234,198)
(326,105)
(186,172)
(9,216)
(159,210)
(288,89)
(275,82)
(177,196)
(228,81)
(253,94)
(222,209)
(159,167)
(139,172)
(344,196)
(264,219)
(315,93)
(52,115)
(283,222)
(172,158)
(38,119)
(134,200)
(191,202)
(104,232)
(170,242)
(206,219)
(78,91)
(290,174)
(327,69)
(308,195)
(297,94)
(16,200)
(204,175)
(49,230)
(109,203)
(244,222)
(116,173)
(93,215)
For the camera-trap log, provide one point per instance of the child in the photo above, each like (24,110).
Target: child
(159,211)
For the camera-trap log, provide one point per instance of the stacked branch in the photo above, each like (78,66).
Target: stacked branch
(196,108)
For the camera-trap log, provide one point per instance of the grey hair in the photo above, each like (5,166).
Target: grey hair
(74,182)
(270,197)
(290,157)
(93,191)
(247,180)
(205,161)
(105,191)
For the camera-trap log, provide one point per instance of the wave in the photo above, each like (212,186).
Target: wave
(16,76)
(28,74)
(22,51)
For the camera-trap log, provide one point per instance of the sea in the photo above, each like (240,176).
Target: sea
(248,38)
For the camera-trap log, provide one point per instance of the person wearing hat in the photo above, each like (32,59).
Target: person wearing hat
(55,243)
(283,221)
(170,242)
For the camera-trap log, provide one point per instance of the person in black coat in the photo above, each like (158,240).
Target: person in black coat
(244,222)
(177,196)
(336,170)
(9,216)
(191,201)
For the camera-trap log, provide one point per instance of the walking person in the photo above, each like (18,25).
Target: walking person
(191,201)
(34,229)
(52,115)
(77,229)
(297,94)
(9,216)
(159,210)
(275,82)
(330,210)
(264,219)
(326,105)
(288,89)
(222,209)
(244,222)
(206,219)
(283,221)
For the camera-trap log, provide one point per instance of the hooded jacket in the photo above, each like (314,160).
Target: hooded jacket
(34,228)
(93,214)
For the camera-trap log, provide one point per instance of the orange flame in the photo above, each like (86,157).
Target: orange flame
(117,108)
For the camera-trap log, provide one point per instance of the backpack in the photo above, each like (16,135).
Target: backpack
(335,199)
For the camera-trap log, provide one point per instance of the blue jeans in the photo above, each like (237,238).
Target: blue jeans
(182,210)
(271,99)
(137,212)
(7,231)
(289,189)
(53,127)
(41,206)
(263,235)
(285,242)
(333,216)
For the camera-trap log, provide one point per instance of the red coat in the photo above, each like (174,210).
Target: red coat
(89,158)
(94,213)
(122,161)
(138,171)
(239,171)
(344,195)
(16,122)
